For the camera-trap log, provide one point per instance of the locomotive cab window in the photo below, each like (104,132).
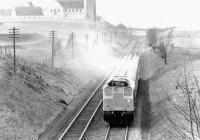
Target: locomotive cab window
(118,83)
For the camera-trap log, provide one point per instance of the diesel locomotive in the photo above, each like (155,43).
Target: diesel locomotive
(119,92)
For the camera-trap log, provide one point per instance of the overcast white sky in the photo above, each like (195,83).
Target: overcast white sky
(145,13)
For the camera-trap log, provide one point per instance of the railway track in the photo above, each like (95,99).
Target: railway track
(117,133)
(78,126)
(114,133)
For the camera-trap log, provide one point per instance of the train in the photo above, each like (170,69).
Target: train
(120,90)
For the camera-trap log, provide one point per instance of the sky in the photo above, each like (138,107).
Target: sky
(151,13)
(145,13)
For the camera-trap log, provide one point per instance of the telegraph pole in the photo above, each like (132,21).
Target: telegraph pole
(72,41)
(86,38)
(52,35)
(131,31)
(97,39)
(14,34)
(110,38)
(102,36)
(105,38)
(115,35)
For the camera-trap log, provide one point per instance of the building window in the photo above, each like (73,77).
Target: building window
(72,10)
(80,10)
(51,10)
(58,10)
(77,10)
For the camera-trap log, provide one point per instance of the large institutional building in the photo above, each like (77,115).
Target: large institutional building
(91,9)
(80,9)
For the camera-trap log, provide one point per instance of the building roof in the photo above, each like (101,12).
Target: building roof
(10,4)
(72,4)
(47,4)
(29,11)
(6,12)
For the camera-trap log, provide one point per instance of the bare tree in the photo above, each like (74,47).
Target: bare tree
(152,37)
(163,51)
(186,107)
(164,45)
(160,42)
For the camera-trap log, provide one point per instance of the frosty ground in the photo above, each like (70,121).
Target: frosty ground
(160,82)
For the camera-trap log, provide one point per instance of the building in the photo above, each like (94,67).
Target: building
(73,8)
(6,10)
(28,11)
(50,9)
(78,9)
(91,9)
(6,13)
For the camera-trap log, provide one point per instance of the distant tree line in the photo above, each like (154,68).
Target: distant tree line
(159,41)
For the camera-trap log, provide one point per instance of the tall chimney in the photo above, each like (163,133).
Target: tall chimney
(30,4)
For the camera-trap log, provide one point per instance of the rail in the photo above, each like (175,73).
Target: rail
(87,102)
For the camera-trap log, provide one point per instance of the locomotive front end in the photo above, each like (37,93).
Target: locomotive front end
(118,102)
(119,93)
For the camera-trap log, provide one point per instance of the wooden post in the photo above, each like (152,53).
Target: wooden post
(52,35)
(14,35)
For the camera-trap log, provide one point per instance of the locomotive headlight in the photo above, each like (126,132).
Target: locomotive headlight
(128,103)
